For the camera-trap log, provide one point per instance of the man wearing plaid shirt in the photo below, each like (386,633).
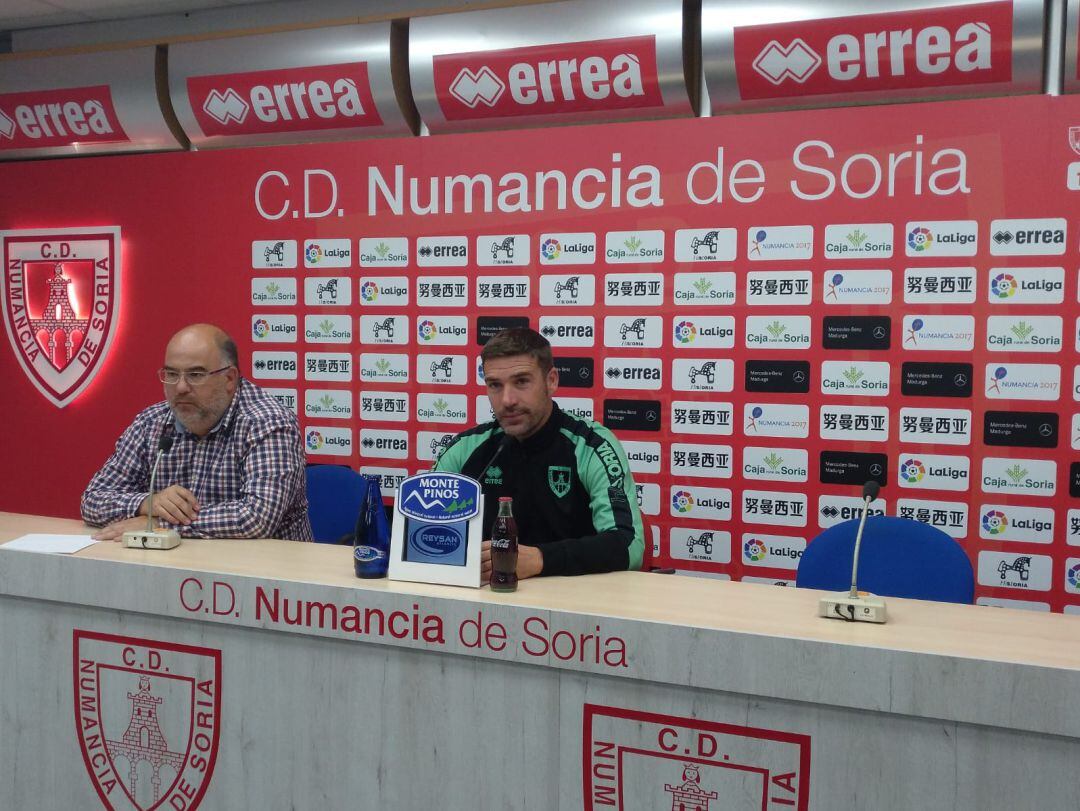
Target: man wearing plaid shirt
(236,467)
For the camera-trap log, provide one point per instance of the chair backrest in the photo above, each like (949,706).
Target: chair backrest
(334,494)
(899,558)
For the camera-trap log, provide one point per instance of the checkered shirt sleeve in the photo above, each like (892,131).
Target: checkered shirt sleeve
(117,490)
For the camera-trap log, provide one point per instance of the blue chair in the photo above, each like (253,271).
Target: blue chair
(899,557)
(334,494)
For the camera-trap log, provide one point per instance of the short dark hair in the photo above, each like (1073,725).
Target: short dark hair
(229,353)
(519,341)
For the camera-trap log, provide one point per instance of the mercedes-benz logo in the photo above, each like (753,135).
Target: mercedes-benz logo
(875,469)
(799,377)
(1046,429)
(880,332)
(652,416)
(960,379)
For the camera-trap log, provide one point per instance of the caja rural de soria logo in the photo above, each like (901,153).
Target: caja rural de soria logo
(912,470)
(426,330)
(920,239)
(682,501)
(995,522)
(369,291)
(754,550)
(1003,285)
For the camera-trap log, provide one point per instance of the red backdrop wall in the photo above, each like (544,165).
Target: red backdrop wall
(188,222)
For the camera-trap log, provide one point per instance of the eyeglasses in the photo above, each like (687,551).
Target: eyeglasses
(196,377)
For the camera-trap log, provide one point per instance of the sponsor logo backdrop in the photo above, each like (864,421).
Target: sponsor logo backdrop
(780,308)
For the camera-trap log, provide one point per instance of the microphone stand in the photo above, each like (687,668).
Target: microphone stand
(152,538)
(851,606)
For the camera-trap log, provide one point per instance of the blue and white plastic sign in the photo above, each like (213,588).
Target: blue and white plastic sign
(436,536)
(439,497)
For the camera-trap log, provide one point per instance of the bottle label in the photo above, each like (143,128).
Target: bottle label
(367,554)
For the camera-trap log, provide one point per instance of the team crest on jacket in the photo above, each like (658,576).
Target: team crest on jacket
(148,715)
(61,302)
(559,480)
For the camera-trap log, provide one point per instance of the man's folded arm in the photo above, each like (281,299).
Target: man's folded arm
(272,473)
(619,542)
(117,490)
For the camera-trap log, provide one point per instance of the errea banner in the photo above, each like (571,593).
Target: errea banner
(318,97)
(49,118)
(894,51)
(571,77)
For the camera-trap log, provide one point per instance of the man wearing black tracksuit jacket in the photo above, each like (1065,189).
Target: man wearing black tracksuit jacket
(574,497)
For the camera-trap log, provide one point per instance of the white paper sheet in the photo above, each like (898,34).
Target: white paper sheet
(54,544)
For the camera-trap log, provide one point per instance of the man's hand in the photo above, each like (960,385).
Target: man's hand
(530,562)
(175,504)
(115,531)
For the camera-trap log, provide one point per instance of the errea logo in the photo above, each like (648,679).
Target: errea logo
(318,97)
(606,74)
(1041,237)
(906,50)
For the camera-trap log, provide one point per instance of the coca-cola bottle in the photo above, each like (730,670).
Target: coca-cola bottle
(504,548)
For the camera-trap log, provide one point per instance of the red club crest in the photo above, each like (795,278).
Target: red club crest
(61,301)
(1074,139)
(148,716)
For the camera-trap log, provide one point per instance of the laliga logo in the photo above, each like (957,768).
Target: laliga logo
(472,89)
(314,440)
(313,254)
(1074,576)
(754,550)
(260,328)
(920,239)
(226,107)
(551,249)
(685,332)
(1003,285)
(369,291)
(682,501)
(426,330)
(797,62)
(995,522)
(912,470)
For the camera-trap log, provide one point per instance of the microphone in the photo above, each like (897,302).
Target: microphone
(165,443)
(852,606)
(870,491)
(503,444)
(151,538)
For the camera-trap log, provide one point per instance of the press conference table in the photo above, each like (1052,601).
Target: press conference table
(263,675)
